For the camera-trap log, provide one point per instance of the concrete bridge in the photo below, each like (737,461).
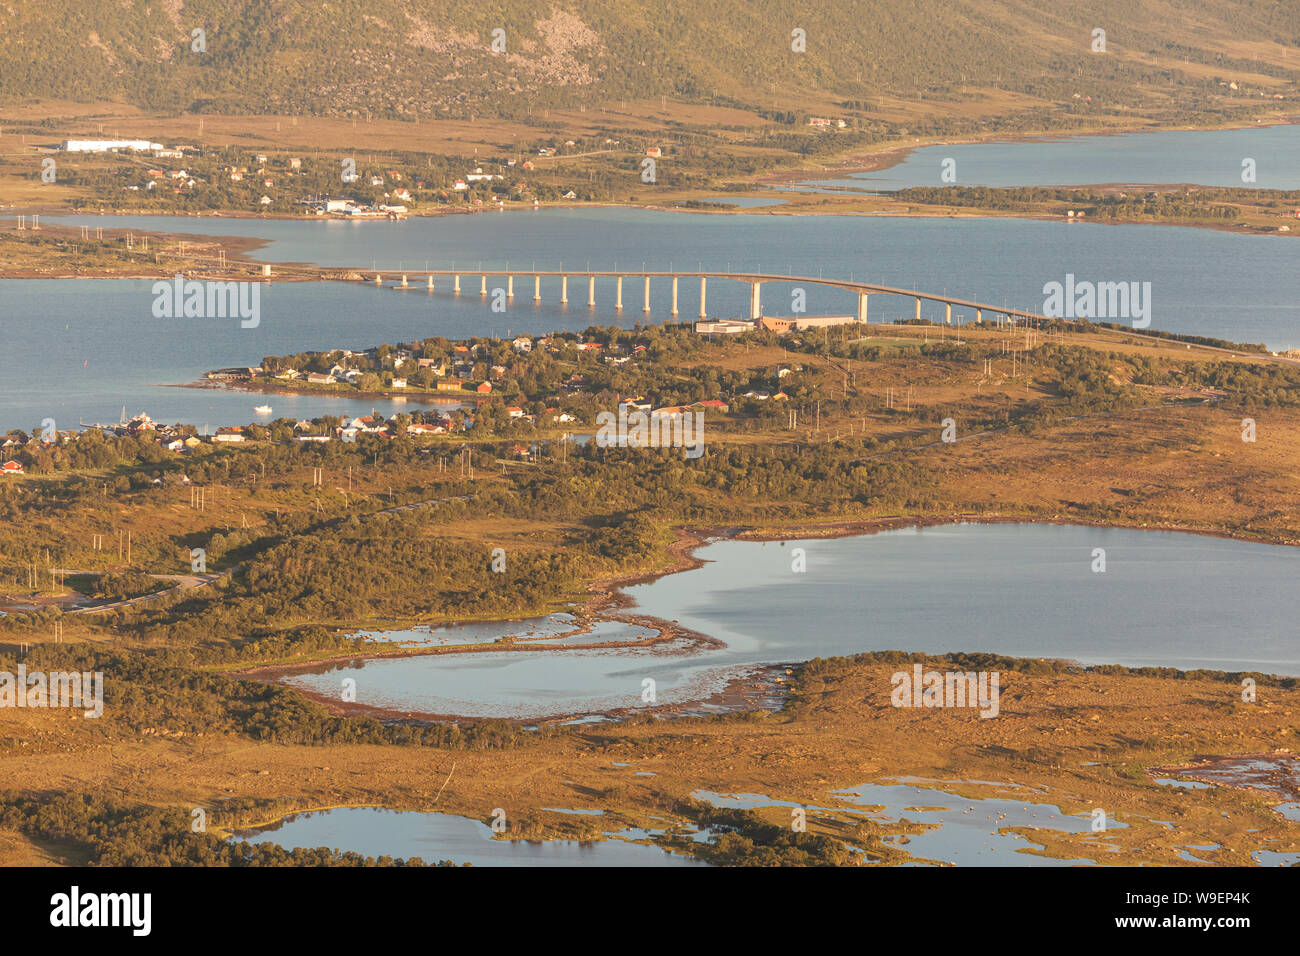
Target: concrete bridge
(755,280)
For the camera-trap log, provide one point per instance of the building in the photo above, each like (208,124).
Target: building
(783,324)
(109,145)
(724,327)
(229,433)
(12,467)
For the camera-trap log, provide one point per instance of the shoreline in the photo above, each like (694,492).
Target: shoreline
(609,598)
(887,156)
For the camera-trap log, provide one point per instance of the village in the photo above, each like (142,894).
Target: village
(529,390)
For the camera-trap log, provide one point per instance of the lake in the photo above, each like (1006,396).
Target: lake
(1023,590)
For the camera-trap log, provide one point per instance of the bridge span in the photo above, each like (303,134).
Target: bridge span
(755,280)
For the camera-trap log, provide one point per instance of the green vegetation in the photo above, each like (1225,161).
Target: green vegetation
(100,831)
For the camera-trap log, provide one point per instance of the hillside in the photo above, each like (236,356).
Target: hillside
(385,58)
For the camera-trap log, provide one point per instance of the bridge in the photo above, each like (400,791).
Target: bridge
(755,280)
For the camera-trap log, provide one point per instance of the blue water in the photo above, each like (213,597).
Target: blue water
(1168,600)
(1200,157)
(434,837)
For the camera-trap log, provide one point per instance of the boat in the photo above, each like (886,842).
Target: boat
(263,409)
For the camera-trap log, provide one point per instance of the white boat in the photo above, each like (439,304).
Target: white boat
(263,409)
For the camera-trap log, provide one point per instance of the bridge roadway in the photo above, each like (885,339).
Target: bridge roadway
(754,279)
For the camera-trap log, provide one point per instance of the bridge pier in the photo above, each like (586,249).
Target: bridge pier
(537,288)
(510,287)
(483,288)
(430,283)
(703,313)
(862,307)
(646,307)
(674,312)
(755,300)
(564,290)
(405,284)
(979,316)
(456,286)
(379,279)
(618,294)
(591,292)
(947,319)
(918,309)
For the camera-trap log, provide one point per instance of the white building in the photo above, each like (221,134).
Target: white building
(109,145)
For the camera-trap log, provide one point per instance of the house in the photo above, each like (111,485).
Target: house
(399,383)
(175,445)
(417,428)
(670,410)
(564,417)
(716,404)
(265,201)
(483,388)
(570,195)
(376,180)
(589,346)
(236,177)
(450,386)
(229,433)
(514,411)
(523,343)
(819,121)
(654,151)
(12,467)
(498,372)
(315,378)
(295,163)
(528,165)
(636,404)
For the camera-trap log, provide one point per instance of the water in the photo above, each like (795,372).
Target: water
(1200,157)
(967,831)
(78,350)
(1204,281)
(434,837)
(1170,600)
(522,684)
